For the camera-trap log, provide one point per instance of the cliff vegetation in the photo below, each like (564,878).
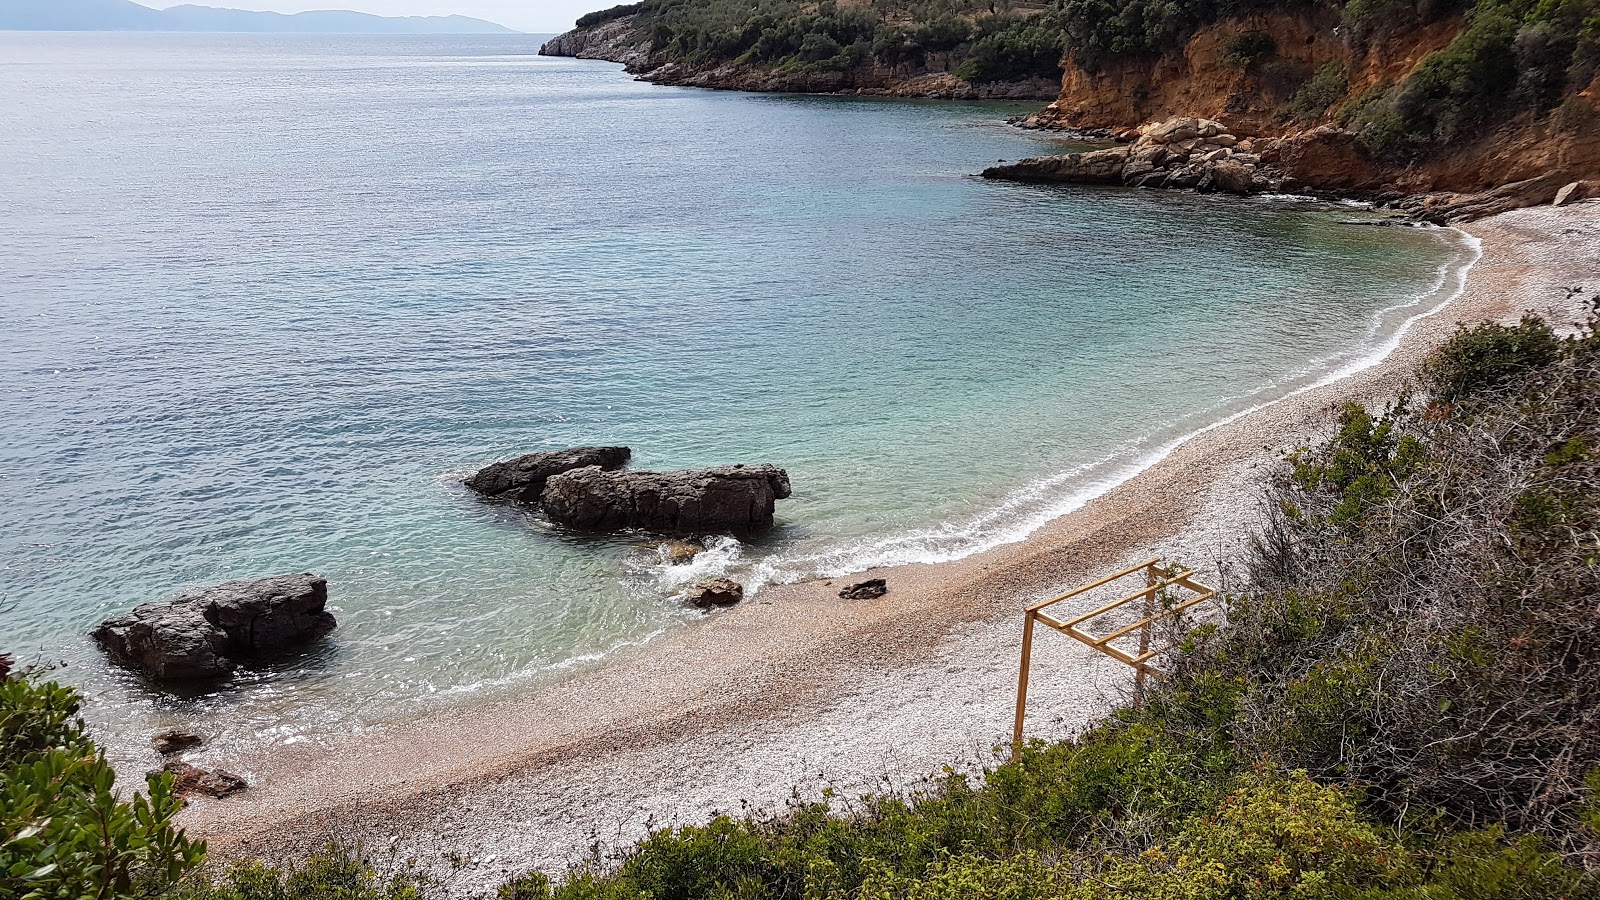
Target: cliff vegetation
(1399,704)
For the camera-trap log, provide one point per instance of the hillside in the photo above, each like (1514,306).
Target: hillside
(1366,97)
(934,48)
(125,15)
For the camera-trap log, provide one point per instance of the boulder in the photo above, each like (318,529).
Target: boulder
(208,633)
(871,589)
(175,740)
(1569,193)
(1172,131)
(189,779)
(1232,177)
(737,500)
(716,592)
(522,480)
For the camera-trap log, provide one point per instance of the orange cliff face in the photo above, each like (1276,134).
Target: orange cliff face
(1258,101)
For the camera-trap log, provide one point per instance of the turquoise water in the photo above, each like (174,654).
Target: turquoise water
(266,300)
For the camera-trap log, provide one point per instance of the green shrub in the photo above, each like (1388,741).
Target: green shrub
(333,873)
(64,831)
(1326,87)
(1489,358)
(1247,50)
(600,17)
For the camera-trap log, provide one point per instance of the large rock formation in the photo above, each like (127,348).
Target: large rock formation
(1184,153)
(736,500)
(209,632)
(522,480)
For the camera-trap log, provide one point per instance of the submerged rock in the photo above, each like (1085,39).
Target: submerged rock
(523,479)
(871,589)
(715,592)
(736,500)
(175,740)
(188,780)
(208,633)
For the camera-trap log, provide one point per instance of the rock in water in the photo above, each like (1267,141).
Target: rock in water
(209,632)
(716,592)
(175,740)
(190,779)
(871,589)
(522,480)
(734,500)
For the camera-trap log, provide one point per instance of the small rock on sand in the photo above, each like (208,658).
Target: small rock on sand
(188,780)
(870,589)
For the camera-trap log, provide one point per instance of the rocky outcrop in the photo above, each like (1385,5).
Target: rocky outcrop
(210,632)
(522,480)
(1184,153)
(736,500)
(620,40)
(715,592)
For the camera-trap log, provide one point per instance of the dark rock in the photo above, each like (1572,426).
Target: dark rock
(188,780)
(207,633)
(1232,177)
(522,480)
(175,740)
(871,589)
(734,500)
(1095,167)
(1186,177)
(716,592)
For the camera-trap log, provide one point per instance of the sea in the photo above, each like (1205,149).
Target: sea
(266,300)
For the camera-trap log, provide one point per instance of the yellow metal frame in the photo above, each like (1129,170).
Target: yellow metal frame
(1158,578)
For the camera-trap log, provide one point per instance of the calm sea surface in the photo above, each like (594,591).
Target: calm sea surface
(264,300)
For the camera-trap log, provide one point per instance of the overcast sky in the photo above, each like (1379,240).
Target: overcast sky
(523,15)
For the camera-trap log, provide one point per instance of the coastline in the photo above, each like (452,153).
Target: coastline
(797,688)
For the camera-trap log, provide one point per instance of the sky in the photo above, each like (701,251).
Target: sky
(537,16)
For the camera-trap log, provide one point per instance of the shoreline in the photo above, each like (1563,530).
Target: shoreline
(796,689)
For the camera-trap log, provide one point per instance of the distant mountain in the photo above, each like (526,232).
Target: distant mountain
(125,15)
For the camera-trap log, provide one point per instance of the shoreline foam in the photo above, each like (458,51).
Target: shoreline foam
(800,689)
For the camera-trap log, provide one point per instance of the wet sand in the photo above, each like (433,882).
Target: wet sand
(797,690)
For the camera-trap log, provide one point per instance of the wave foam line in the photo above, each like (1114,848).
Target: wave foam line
(949,541)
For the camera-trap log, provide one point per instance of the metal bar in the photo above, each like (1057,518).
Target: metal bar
(1092,585)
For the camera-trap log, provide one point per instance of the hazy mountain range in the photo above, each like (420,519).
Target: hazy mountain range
(125,15)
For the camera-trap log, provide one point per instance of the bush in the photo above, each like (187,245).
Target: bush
(1314,98)
(64,831)
(1248,50)
(1489,358)
(334,873)
(590,20)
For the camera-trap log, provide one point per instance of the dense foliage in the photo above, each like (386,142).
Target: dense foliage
(1514,56)
(64,832)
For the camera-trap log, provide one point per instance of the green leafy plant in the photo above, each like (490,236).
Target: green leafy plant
(64,830)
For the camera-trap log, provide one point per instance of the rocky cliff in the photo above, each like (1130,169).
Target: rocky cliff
(1301,97)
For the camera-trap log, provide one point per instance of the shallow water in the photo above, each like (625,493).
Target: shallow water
(267,298)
